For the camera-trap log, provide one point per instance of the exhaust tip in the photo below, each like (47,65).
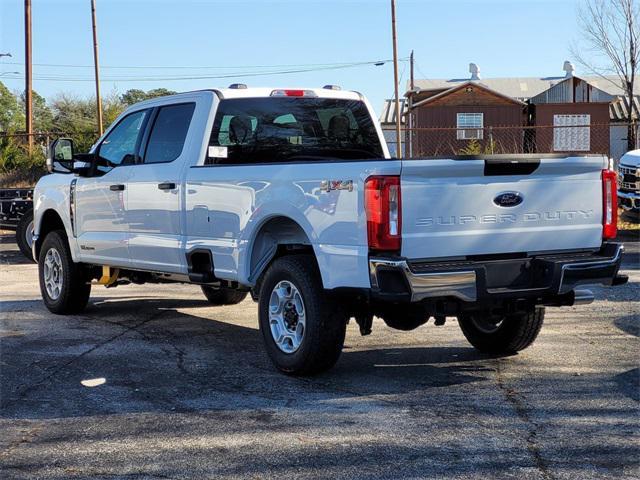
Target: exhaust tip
(582,297)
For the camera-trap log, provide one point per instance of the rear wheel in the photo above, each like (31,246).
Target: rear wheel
(223,296)
(24,234)
(502,333)
(64,284)
(303,328)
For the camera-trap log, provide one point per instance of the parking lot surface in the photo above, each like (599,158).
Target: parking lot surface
(152,382)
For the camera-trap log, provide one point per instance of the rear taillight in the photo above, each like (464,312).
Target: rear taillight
(609,204)
(382,199)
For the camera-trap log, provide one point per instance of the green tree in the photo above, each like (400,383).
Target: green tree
(159,92)
(112,106)
(136,95)
(42,115)
(132,96)
(11,117)
(75,117)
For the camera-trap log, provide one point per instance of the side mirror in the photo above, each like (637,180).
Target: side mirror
(60,157)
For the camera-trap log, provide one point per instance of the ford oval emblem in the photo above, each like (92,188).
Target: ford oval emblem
(508,199)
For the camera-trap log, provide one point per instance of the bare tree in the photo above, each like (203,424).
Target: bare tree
(611,36)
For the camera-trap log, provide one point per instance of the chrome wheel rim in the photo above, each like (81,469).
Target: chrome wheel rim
(53,273)
(29,234)
(287,316)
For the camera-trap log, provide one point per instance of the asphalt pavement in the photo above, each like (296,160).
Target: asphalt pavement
(152,382)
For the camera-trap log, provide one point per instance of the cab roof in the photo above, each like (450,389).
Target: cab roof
(253,92)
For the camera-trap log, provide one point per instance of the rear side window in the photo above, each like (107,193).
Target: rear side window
(277,129)
(168,133)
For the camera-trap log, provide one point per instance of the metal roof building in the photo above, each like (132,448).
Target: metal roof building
(607,88)
(523,88)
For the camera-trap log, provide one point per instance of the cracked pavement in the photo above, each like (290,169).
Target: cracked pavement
(188,392)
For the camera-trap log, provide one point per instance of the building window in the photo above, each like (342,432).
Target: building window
(470,125)
(571,133)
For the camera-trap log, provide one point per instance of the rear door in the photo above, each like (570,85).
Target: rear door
(154,202)
(460,208)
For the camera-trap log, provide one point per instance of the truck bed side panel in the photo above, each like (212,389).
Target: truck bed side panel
(227,205)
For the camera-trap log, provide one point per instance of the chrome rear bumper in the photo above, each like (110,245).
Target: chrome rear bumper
(544,276)
(460,284)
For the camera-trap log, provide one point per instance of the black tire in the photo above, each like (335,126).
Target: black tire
(505,335)
(75,287)
(325,322)
(404,317)
(223,296)
(24,232)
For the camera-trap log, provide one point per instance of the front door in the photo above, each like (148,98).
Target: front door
(100,204)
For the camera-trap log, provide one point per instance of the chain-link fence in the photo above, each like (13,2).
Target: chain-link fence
(608,139)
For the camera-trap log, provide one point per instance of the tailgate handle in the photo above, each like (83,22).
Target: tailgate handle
(493,167)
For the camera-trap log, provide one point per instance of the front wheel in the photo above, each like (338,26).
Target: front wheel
(303,328)
(64,284)
(502,333)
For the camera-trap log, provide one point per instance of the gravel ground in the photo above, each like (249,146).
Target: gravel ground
(188,392)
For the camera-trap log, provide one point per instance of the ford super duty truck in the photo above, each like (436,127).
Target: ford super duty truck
(292,196)
(629,182)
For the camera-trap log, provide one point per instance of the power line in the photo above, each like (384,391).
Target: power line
(207,67)
(64,78)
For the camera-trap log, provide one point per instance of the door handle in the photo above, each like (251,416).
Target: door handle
(167,186)
(116,188)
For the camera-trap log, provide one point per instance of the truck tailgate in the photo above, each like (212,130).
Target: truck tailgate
(460,208)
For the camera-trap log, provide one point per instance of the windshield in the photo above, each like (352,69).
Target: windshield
(277,129)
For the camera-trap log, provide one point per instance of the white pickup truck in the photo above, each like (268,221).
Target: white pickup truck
(291,195)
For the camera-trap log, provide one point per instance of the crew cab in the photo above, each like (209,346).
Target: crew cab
(291,195)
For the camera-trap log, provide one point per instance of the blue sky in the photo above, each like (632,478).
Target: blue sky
(505,38)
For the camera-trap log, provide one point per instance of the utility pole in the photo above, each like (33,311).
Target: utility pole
(410,104)
(411,81)
(28,90)
(95,65)
(395,79)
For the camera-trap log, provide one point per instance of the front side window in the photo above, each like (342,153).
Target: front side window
(168,133)
(470,126)
(120,145)
(277,129)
